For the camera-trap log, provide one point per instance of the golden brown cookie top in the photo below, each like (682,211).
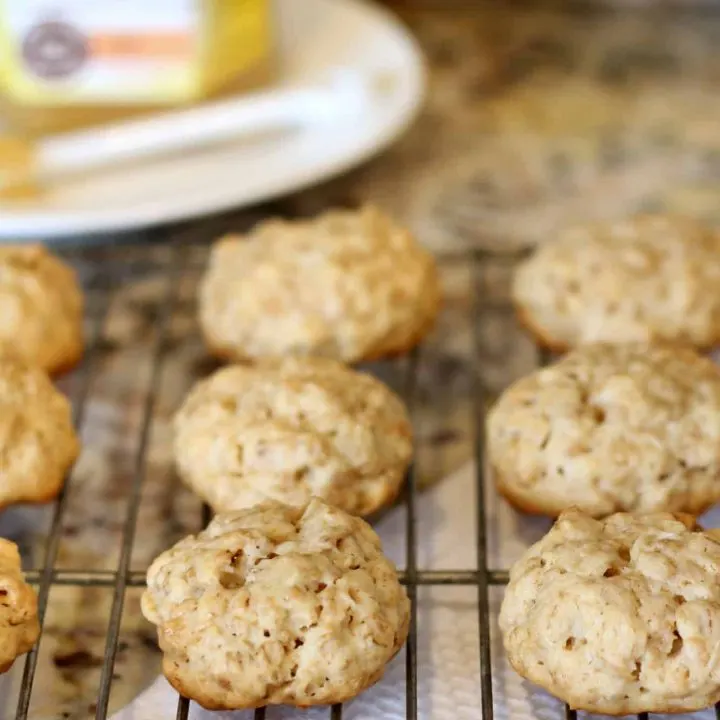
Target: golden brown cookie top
(618,616)
(292,429)
(609,428)
(38,443)
(350,285)
(40,307)
(651,277)
(19,628)
(277,605)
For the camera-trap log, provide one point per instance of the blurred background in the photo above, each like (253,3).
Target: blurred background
(533,114)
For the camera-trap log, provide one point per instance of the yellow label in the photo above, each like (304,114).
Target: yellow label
(238,35)
(64,52)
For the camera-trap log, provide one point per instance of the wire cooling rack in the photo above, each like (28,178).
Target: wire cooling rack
(176,264)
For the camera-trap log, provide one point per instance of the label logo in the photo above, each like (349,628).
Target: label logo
(54,50)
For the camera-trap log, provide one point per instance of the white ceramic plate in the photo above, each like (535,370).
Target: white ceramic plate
(317,36)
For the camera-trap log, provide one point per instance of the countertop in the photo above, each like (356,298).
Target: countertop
(535,118)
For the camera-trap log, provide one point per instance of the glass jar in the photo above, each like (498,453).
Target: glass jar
(70,63)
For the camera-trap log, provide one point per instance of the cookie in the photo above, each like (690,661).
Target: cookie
(651,277)
(291,429)
(276,605)
(608,428)
(349,285)
(41,308)
(19,626)
(38,444)
(618,616)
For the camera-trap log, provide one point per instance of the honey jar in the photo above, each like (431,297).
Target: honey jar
(70,63)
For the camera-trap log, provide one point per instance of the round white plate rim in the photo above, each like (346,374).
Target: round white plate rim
(19,225)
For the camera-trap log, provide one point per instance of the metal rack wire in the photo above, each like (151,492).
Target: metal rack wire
(105,279)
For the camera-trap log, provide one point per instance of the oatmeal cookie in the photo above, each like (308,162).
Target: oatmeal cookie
(38,444)
(292,429)
(277,605)
(651,277)
(348,285)
(619,616)
(40,308)
(19,627)
(610,428)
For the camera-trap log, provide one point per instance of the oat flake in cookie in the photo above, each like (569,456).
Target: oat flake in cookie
(292,429)
(276,605)
(610,428)
(41,308)
(351,285)
(38,444)
(651,277)
(19,627)
(619,616)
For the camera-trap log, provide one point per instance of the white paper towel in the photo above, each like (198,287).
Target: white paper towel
(448,644)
